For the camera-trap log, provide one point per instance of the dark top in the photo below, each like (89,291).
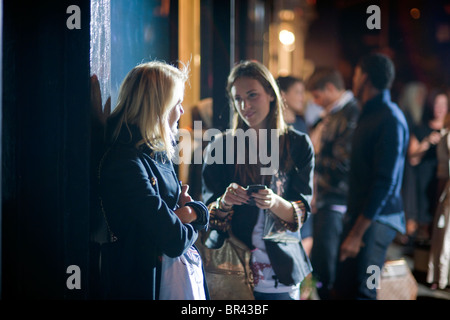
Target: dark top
(379,147)
(299,124)
(421,131)
(293,184)
(140,191)
(426,179)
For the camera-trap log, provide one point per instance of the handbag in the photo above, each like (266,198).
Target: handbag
(226,265)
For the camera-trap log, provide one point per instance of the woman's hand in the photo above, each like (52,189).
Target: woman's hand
(184,196)
(186,214)
(100,112)
(417,149)
(265,198)
(434,137)
(234,195)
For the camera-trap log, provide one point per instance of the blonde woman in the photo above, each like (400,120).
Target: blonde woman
(152,220)
(268,220)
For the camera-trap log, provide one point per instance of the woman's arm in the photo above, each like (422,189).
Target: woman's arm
(417,149)
(219,193)
(267,199)
(294,207)
(131,198)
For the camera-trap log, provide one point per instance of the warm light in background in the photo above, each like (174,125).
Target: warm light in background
(286,37)
(197,60)
(415,13)
(189,52)
(287,15)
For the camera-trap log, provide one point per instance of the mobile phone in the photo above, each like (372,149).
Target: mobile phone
(254,188)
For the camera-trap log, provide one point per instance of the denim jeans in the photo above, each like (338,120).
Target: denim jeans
(307,229)
(352,274)
(328,225)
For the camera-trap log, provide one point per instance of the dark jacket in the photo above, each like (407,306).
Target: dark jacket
(287,256)
(333,160)
(140,191)
(379,148)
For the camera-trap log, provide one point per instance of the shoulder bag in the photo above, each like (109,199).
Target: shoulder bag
(226,261)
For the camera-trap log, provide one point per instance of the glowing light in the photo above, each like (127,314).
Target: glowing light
(415,13)
(286,37)
(197,60)
(287,15)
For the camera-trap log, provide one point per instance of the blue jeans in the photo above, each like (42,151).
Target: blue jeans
(307,229)
(352,274)
(328,225)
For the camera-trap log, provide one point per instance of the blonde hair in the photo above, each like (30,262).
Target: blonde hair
(146,96)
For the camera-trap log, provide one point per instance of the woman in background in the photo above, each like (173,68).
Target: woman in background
(412,101)
(293,94)
(439,259)
(422,156)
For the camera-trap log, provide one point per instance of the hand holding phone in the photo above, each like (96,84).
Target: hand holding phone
(253,188)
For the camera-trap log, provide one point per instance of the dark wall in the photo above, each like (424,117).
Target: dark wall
(216,59)
(48,132)
(1,42)
(45,146)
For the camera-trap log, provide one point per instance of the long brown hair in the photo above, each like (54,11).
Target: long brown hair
(250,173)
(428,112)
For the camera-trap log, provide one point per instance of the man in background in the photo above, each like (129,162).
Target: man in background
(331,138)
(374,208)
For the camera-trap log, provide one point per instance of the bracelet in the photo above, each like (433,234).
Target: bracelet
(220,201)
(221,224)
(217,223)
(299,210)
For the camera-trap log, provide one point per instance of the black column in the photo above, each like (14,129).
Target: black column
(216,59)
(1,129)
(45,146)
